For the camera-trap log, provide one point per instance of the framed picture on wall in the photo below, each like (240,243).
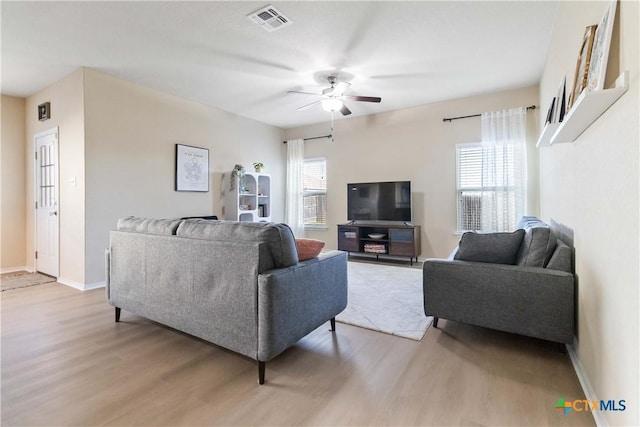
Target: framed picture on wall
(582,65)
(600,50)
(192,168)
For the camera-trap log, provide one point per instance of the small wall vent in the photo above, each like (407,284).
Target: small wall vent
(270,18)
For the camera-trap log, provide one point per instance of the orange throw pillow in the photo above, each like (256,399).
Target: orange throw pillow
(308,248)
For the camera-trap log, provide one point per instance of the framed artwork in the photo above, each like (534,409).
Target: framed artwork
(192,168)
(561,101)
(582,65)
(600,51)
(44,111)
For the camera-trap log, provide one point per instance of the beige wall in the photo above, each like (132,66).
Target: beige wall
(131,132)
(66,98)
(591,186)
(13,202)
(412,144)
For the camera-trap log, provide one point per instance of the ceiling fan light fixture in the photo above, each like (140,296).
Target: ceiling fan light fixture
(331,104)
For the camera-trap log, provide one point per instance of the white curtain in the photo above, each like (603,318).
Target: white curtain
(295,167)
(504,168)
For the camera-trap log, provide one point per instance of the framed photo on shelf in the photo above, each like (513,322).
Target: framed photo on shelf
(582,65)
(561,101)
(192,168)
(600,51)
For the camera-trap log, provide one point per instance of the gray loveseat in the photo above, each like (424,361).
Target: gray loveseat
(237,285)
(519,282)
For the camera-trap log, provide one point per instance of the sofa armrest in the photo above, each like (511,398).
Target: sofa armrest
(293,301)
(531,301)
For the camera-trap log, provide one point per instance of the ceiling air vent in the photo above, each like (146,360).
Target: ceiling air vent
(270,18)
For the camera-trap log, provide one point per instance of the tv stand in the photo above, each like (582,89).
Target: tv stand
(402,239)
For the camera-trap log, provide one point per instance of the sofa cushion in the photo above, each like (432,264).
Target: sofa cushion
(308,248)
(165,227)
(538,243)
(495,248)
(278,237)
(561,258)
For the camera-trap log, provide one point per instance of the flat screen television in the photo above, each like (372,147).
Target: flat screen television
(379,201)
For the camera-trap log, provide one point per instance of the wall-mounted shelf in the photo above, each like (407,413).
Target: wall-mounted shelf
(586,110)
(547,133)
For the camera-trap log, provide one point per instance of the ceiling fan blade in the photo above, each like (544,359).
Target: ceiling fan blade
(363,98)
(344,110)
(304,107)
(303,93)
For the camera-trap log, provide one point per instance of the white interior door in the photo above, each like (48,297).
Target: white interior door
(47,218)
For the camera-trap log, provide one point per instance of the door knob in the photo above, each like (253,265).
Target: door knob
(53,213)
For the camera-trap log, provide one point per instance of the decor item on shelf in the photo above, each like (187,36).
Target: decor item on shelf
(377,236)
(192,168)
(582,65)
(238,171)
(597,68)
(258,166)
(561,105)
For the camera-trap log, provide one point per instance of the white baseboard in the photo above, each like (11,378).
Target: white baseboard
(16,269)
(590,394)
(81,286)
(96,285)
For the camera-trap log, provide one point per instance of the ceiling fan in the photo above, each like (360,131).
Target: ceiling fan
(332,98)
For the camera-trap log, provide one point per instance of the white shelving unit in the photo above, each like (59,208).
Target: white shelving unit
(250,200)
(586,110)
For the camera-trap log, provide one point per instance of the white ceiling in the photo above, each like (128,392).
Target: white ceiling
(408,53)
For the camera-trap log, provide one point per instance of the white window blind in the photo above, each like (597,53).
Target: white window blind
(473,187)
(469,186)
(315,192)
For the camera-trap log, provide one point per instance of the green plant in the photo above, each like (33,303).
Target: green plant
(258,165)
(238,171)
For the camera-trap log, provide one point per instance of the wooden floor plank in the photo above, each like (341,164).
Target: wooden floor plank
(66,362)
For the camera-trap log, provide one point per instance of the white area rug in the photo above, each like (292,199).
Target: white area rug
(386,299)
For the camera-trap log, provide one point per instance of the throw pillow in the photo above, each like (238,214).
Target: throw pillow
(308,248)
(495,248)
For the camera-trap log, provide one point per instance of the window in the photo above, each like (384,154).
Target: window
(314,192)
(476,192)
(469,186)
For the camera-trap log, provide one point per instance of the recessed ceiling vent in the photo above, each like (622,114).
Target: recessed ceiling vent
(270,18)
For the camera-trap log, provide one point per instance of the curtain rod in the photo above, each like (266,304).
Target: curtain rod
(313,137)
(449,119)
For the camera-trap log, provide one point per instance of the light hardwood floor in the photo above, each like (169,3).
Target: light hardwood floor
(65,362)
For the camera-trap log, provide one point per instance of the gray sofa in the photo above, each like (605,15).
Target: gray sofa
(237,285)
(519,282)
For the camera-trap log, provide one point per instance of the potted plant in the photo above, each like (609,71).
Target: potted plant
(258,166)
(238,171)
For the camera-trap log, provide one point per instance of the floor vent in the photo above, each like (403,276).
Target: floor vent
(270,18)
